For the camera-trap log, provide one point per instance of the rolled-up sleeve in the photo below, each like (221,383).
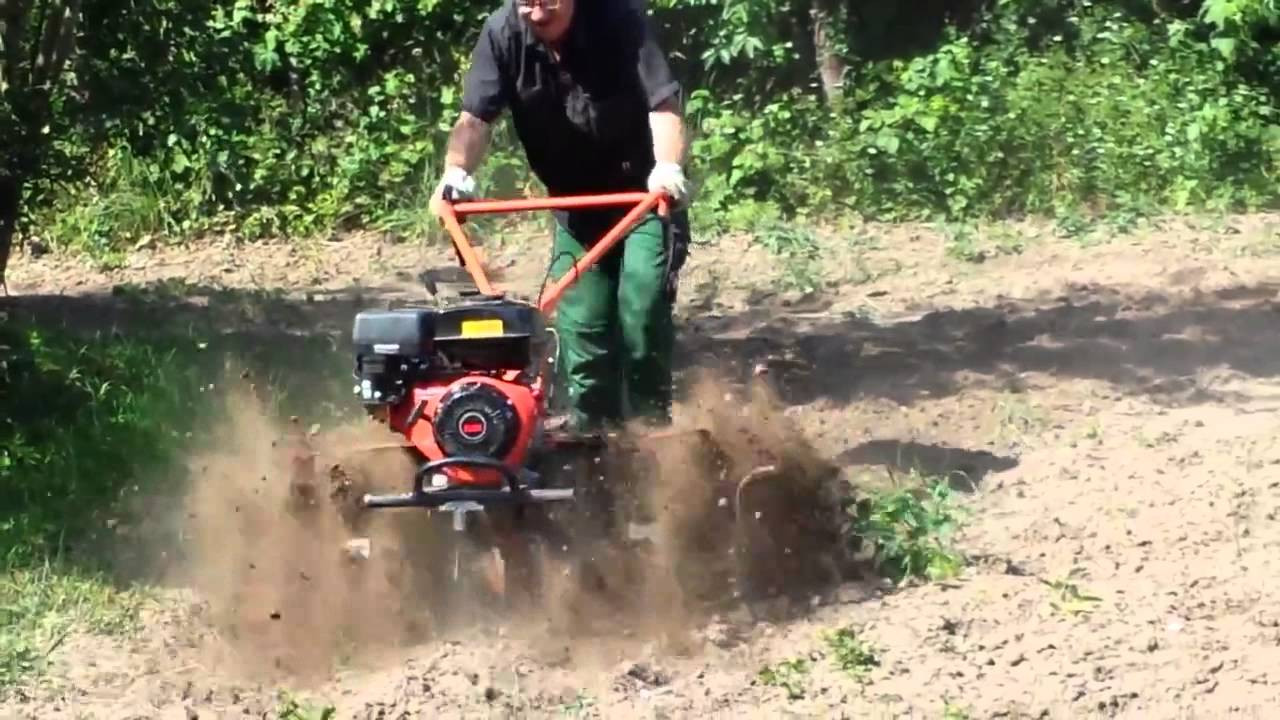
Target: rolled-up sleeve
(652,68)
(484,91)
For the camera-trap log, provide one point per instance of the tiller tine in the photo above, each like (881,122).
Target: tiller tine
(749,530)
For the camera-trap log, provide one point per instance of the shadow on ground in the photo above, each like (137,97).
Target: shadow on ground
(1164,348)
(965,470)
(1170,350)
(1149,344)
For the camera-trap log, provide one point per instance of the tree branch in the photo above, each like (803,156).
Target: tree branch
(35,20)
(67,39)
(56,43)
(13,17)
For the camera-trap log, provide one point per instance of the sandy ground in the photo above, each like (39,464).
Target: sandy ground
(1112,404)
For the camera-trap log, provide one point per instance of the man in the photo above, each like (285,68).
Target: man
(597,110)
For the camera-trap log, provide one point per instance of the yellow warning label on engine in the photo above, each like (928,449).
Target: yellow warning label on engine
(481,328)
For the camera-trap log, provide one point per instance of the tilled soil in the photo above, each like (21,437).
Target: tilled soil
(1107,410)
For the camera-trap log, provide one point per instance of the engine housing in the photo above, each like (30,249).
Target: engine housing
(392,347)
(473,416)
(456,381)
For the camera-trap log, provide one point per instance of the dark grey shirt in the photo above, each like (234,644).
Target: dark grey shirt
(584,121)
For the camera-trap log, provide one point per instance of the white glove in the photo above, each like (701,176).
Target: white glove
(460,180)
(455,177)
(669,178)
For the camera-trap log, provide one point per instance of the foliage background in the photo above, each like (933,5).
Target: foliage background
(274,117)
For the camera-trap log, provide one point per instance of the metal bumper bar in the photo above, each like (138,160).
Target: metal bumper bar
(515,492)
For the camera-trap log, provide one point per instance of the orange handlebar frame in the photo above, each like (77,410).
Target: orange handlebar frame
(451,213)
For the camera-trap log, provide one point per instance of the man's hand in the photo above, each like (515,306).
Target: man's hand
(669,177)
(467,145)
(459,180)
(667,127)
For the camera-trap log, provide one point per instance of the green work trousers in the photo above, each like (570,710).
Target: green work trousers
(615,329)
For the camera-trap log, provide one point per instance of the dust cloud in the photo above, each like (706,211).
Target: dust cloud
(772,508)
(293,581)
(297,582)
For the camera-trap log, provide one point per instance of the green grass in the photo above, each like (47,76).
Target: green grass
(1067,598)
(86,423)
(94,431)
(86,426)
(292,708)
(969,243)
(41,605)
(853,655)
(790,675)
(579,707)
(846,651)
(798,253)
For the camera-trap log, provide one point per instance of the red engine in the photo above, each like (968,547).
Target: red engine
(474,415)
(460,383)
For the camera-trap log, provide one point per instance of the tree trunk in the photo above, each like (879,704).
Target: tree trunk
(10,205)
(826,32)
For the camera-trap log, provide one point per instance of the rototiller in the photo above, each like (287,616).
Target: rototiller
(469,385)
(466,391)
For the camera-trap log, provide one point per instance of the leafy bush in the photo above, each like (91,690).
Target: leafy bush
(909,529)
(1104,113)
(265,119)
(302,118)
